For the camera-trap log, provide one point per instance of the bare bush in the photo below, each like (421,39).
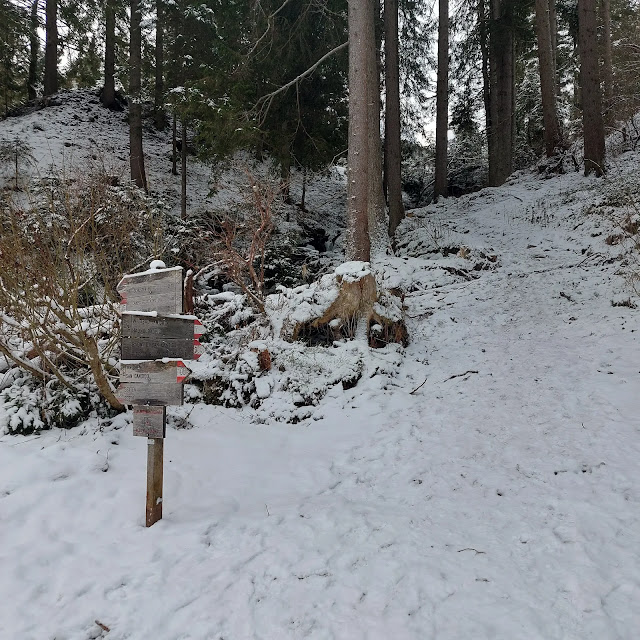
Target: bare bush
(63,250)
(234,242)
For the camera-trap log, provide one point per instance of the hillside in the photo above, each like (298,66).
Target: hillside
(480,482)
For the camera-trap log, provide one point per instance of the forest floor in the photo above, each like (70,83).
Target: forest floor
(481,483)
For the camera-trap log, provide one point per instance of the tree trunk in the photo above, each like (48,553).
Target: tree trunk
(547,83)
(361,58)
(442,102)
(109,89)
(158,101)
(183,177)
(135,106)
(592,123)
(51,49)
(502,93)
(486,77)
(553,27)
(174,147)
(607,58)
(377,235)
(392,154)
(34,51)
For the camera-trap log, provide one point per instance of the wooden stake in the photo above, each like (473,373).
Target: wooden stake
(155,454)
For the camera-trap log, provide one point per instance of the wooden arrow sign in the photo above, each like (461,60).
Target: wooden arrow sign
(159,348)
(153,337)
(153,393)
(154,371)
(154,290)
(139,325)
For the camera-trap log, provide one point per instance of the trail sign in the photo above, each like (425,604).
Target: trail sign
(156,337)
(158,348)
(168,393)
(154,371)
(149,337)
(149,422)
(153,290)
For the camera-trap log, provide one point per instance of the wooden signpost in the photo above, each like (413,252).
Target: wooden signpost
(156,338)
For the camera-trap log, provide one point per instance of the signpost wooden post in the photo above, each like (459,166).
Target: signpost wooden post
(156,337)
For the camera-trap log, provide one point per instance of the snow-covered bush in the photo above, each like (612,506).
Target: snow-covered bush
(226,374)
(28,406)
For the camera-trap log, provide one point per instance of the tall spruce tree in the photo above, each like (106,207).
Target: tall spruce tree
(501,130)
(108,95)
(34,51)
(51,49)
(138,174)
(546,67)
(364,182)
(442,102)
(592,122)
(392,153)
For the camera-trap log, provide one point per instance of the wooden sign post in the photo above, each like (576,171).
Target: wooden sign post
(156,337)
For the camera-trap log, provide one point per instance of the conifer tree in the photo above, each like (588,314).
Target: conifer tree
(442,102)
(51,49)
(547,77)
(363,181)
(392,155)
(108,95)
(138,175)
(34,51)
(592,122)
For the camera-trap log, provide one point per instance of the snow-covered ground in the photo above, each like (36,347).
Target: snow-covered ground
(481,485)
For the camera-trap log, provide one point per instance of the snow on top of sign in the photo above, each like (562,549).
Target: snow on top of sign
(178,361)
(155,314)
(149,272)
(149,314)
(156,265)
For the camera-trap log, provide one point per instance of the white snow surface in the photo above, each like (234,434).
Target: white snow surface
(483,487)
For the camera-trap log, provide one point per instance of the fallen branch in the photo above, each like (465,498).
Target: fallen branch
(418,387)
(460,375)
(102,626)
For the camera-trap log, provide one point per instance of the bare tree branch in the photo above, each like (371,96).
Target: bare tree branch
(264,103)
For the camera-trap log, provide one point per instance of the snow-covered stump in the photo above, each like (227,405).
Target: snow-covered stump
(345,304)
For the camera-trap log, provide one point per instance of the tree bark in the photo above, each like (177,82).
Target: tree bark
(442,102)
(361,58)
(592,123)
(158,102)
(174,147)
(392,154)
(547,80)
(607,57)
(502,92)
(34,51)
(486,76)
(183,177)
(553,27)
(376,206)
(51,49)
(109,89)
(138,175)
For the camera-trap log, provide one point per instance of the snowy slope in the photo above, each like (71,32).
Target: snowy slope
(483,486)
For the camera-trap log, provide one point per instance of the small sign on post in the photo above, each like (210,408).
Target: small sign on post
(155,340)
(149,422)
